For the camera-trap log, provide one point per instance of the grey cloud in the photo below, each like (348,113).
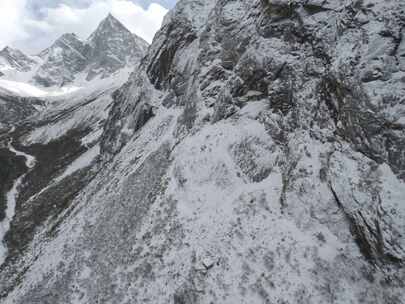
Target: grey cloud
(36,6)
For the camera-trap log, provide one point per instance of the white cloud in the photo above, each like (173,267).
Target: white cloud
(32,34)
(144,23)
(11,14)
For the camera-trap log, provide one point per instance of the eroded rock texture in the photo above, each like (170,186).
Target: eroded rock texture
(256,156)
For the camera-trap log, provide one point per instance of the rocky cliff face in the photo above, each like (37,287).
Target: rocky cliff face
(15,59)
(256,156)
(14,109)
(62,61)
(112,47)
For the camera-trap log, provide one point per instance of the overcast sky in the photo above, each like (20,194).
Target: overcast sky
(32,25)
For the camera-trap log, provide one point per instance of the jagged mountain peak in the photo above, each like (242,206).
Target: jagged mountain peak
(69,37)
(12,52)
(66,41)
(9,50)
(63,60)
(109,25)
(111,47)
(16,59)
(112,21)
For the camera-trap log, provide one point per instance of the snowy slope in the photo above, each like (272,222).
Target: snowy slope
(255,156)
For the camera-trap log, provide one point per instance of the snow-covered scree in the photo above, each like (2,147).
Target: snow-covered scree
(11,200)
(255,156)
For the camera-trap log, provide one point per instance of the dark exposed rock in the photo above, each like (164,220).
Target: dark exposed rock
(368,235)
(11,168)
(177,36)
(62,61)
(112,47)
(185,297)
(249,133)
(14,109)
(142,112)
(279,9)
(40,200)
(51,159)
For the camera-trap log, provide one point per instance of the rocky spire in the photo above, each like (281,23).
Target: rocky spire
(111,47)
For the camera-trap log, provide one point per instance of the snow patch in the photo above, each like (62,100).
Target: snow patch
(28,90)
(81,162)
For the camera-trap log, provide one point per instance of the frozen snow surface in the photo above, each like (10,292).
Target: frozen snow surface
(254,156)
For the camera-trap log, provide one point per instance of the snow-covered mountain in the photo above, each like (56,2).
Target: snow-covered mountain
(112,47)
(70,61)
(102,62)
(61,62)
(13,59)
(256,155)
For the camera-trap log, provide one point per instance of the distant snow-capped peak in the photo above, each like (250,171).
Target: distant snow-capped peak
(15,59)
(109,49)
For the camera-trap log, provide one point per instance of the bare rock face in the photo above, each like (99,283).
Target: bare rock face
(14,109)
(13,58)
(112,47)
(62,61)
(255,156)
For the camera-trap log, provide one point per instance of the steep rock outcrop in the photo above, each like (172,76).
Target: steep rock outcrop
(62,61)
(112,47)
(271,170)
(15,59)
